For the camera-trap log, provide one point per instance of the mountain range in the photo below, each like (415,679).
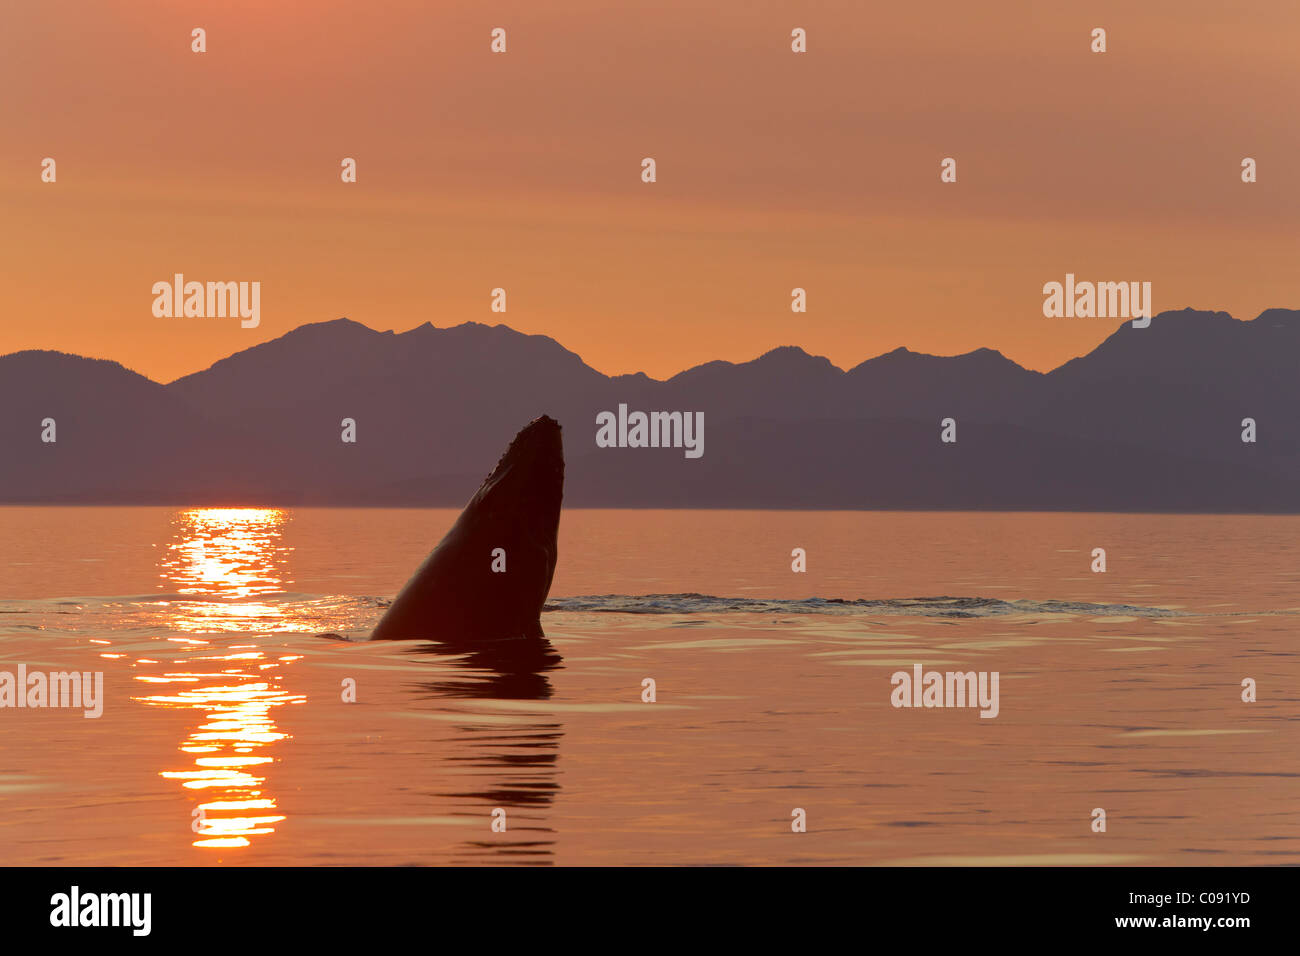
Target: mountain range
(1150,420)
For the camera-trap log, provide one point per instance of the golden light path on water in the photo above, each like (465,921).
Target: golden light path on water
(224,557)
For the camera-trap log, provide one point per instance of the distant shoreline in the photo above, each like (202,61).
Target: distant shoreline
(281,506)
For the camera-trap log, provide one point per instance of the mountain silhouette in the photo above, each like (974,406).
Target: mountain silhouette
(1149,420)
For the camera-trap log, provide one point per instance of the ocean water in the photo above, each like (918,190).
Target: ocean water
(232,734)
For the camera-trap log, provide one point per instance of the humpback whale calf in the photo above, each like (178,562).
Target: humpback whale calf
(489,576)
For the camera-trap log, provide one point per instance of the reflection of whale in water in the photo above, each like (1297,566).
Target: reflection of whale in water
(486,581)
(501,670)
(512,760)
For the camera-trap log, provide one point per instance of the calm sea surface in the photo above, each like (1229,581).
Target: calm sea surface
(226,738)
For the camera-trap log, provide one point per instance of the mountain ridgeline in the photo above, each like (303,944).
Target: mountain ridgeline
(1150,420)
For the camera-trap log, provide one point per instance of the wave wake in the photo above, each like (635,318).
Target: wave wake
(941,606)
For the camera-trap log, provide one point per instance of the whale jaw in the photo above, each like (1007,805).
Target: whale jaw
(490,574)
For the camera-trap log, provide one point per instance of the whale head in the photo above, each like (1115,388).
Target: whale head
(527,485)
(489,576)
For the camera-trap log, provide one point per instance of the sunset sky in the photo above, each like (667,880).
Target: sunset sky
(522,170)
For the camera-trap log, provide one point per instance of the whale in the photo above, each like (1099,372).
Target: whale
(488,578)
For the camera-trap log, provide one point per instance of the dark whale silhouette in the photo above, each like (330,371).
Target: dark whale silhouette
(456,597)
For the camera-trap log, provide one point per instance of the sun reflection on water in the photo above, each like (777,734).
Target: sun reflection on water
(223,557)
(227,751)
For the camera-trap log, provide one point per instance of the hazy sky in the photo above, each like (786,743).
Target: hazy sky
(522,170)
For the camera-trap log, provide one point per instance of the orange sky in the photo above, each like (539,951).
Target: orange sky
(522,170)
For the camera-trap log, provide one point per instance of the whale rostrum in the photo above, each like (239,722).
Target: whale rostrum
(489,576)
